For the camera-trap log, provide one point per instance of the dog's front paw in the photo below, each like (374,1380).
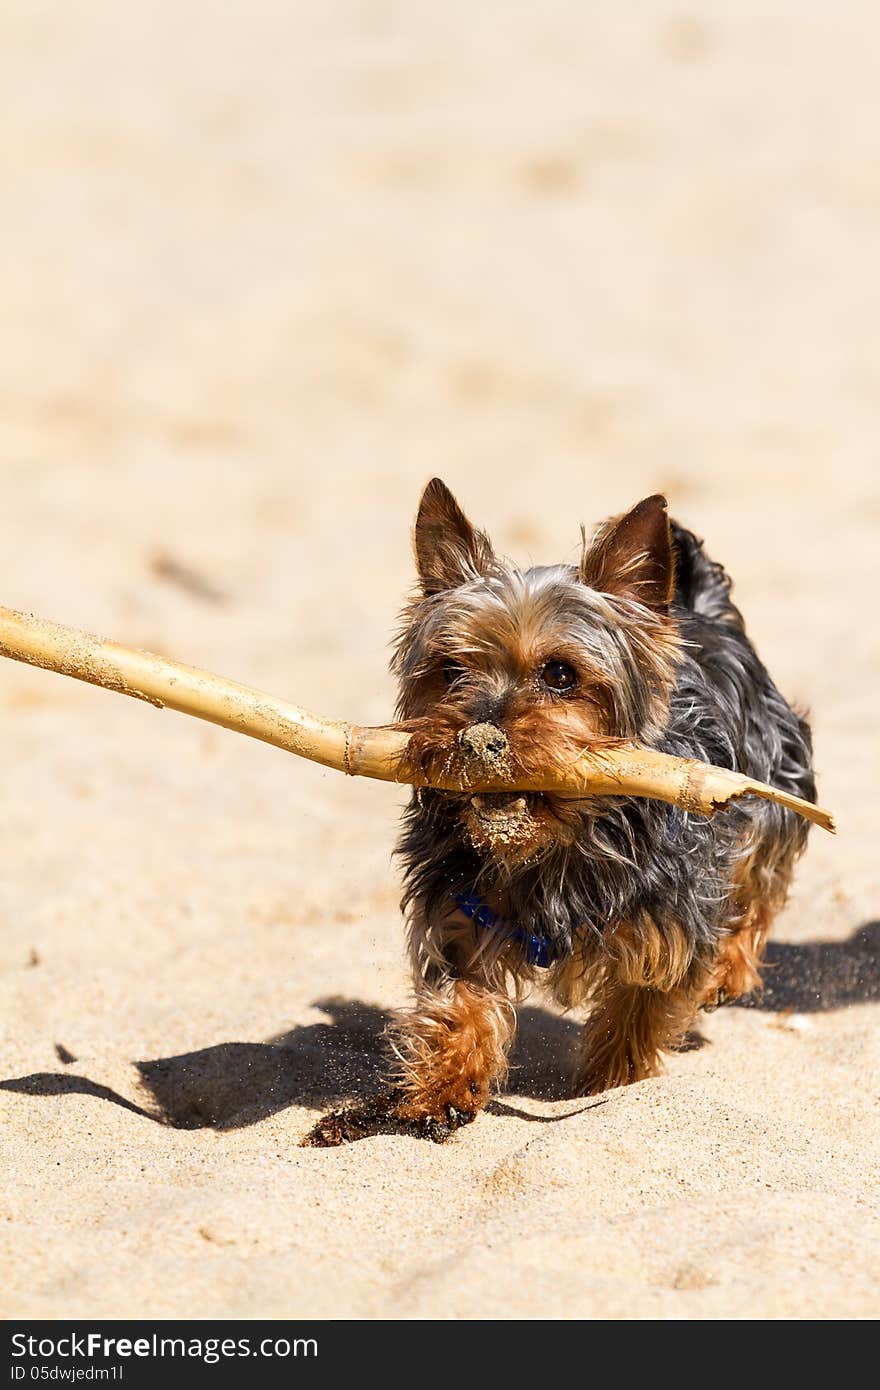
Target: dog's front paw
(438,1128)
(385,1114)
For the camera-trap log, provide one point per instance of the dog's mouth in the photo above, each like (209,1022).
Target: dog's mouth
(499,808)
(514,826)
(501,822)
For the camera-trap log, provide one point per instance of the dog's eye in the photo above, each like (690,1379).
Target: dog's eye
(452,670)
(558,676)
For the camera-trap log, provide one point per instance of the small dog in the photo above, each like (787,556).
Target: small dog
(642,911)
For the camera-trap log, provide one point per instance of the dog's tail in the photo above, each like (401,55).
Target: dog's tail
(701,585)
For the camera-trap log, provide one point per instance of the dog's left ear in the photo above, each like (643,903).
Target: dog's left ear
(449,550)
(632,556)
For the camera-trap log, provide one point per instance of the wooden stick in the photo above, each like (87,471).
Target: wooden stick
(365,752)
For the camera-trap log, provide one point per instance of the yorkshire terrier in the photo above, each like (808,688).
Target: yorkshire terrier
(641,911)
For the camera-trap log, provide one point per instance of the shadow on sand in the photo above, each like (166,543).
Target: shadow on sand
(819,975)
(323,1065)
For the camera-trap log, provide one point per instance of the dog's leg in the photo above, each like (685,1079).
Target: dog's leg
(737,967)
(448,1050)
(758,893)
(648,991)
(451,1049)
(629,1030)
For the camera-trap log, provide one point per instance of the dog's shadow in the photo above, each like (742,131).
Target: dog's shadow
(323,1065)
(317,1065)
(815,976)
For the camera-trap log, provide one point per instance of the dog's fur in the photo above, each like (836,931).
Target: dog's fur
(648,911)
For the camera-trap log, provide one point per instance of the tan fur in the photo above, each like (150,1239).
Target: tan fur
(541,733)
(627,1033)
(450,1050)
(643,985)
(759,890)
(642,954)
(737,968)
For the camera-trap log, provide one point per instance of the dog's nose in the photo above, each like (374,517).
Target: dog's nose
(485,743)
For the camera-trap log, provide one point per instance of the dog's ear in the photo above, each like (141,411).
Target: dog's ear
(632,556)
(449,550)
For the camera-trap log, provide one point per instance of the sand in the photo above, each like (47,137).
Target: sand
(266,269)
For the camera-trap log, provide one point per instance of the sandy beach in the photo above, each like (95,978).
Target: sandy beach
(265,269)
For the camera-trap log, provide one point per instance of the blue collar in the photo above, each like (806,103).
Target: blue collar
(539,951)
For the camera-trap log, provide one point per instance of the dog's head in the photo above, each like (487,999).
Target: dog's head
(516,670)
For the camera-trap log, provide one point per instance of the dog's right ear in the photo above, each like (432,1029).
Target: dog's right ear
(449,550)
